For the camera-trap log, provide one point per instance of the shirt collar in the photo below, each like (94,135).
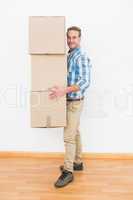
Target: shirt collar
(73,50)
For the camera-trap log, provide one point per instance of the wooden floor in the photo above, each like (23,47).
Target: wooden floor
(33,179)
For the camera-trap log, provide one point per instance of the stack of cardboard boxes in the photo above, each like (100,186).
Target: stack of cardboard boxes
(47,48)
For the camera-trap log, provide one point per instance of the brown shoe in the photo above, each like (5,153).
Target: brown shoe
(65,178)
(76,167)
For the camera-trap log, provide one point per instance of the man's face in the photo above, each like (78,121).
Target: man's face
(73,39)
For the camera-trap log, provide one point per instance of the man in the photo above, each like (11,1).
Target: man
(78,79)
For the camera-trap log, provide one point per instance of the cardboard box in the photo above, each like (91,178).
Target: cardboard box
(46,112)
(47,35)
(47,71)
(47,47)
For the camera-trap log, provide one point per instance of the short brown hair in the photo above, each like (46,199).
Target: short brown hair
(74,28)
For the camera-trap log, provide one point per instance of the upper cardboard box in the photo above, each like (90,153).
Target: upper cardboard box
(47,35)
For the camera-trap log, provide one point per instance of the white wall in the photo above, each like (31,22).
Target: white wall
(106,122)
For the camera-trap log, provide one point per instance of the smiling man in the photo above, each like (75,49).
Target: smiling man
(78,80)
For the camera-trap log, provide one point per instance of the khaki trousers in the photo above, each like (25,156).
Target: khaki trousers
(72,137)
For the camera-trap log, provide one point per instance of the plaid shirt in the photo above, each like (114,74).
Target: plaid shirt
(78,68)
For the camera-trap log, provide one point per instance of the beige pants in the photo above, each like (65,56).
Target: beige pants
(72,137)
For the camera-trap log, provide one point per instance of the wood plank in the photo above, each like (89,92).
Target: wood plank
(28,178)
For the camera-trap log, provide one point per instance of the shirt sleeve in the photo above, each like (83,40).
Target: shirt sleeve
(84,65)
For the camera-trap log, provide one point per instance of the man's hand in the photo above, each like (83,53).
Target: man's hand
(57,91)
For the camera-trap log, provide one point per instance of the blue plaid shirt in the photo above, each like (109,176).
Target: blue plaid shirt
(78,72)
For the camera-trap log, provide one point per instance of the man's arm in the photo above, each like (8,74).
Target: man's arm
(84,72)
(72,88)
(83,83)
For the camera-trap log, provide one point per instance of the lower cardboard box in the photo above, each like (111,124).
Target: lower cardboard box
(46,112)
